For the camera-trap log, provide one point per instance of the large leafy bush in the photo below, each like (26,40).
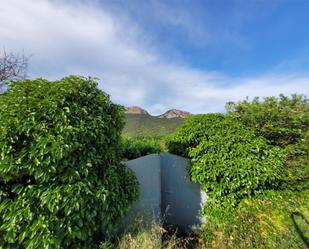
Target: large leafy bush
(61,181)
(283,121)
(280,120)
(228,160)
(191,133)
(253,162)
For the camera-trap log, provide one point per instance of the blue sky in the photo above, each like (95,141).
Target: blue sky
(235,37)
(192,55)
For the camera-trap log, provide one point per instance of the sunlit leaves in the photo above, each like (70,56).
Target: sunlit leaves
(280,120)
(61,181)
(227,159)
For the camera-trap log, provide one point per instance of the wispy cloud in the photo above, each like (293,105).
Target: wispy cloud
(84,38)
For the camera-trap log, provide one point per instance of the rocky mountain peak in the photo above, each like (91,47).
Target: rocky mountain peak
(135,110)
(174,113)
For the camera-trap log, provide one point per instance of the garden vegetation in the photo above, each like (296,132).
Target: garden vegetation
(62,184)
(253,164)
(134,147)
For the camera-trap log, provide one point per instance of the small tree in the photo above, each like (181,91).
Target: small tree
(13,66)
(281,120)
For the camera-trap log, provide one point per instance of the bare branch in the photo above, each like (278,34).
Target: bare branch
(13,66)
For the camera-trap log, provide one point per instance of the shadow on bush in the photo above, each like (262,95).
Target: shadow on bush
(298,228)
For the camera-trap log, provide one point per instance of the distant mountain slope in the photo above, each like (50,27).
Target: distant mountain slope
(146,125)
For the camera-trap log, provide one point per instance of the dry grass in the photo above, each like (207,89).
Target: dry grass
(147,236)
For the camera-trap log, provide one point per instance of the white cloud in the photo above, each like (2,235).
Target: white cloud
(83,38)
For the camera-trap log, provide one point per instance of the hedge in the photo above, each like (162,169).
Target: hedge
(61,181)
(227,159)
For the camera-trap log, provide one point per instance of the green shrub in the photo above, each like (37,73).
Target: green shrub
(191,133)
(228,160)
(280,120)
(61,181)
(140,146)
(283,121)
(245,161)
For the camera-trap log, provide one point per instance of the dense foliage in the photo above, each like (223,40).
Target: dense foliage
(228,160)
(191,133)
(61,181)
(297,163)
(254,164)
(134,147)
(281,120)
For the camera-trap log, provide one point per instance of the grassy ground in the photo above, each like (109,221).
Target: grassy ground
(278,219)
(147,236)
(275,220)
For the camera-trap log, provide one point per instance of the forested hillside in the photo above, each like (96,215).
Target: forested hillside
(144,125)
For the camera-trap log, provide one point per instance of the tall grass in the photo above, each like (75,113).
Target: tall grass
(140,235)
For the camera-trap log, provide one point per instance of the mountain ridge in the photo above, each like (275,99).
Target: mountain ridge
(169,114)
(135,110)
(175,113)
